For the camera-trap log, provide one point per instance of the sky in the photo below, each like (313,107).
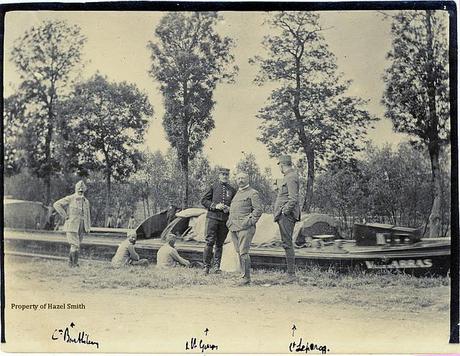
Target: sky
(117,47)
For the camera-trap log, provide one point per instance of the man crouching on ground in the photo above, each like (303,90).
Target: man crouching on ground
(126,254)
(245,211)
(167,255)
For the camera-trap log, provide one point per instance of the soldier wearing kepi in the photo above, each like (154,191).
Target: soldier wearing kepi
(287,210)
(217,200)
(245,211)
(74,209)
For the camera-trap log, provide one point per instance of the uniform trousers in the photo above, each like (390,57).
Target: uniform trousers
(75,238)
(216,233)
(286,225)
(242,241)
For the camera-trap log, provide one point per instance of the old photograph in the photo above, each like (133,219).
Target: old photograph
(228,180)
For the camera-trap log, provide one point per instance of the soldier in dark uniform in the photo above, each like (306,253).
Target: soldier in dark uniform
(217,200)
(287,209)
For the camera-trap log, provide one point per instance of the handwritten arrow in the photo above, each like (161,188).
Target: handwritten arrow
(293,329)
(206,331)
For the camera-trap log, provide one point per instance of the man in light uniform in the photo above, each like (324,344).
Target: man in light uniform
(74,209)
(287,210)
(126,254)
(245,211)
(167,255)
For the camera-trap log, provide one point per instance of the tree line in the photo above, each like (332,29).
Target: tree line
(58,127)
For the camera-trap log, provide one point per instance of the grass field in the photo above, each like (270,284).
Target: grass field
(138,309)
(383,290)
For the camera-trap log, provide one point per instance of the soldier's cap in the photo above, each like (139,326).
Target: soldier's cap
(224,170)
(285,159)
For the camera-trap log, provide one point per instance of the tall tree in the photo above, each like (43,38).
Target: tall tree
(417,88)
(397,184)
(45,57)
(309,112)
(14,112)
(108,121)
(189,58)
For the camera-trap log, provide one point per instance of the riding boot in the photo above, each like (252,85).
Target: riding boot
(75,259)
(207,258)
(290,261)
(217,258)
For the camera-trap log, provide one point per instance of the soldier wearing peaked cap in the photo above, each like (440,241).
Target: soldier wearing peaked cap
(74,209)
(217,200)
(287,209)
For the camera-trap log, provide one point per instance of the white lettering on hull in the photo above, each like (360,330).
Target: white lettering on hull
(399,264)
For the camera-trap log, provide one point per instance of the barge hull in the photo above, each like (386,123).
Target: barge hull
(421,260)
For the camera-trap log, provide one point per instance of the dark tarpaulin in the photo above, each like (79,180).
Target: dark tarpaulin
(153,226)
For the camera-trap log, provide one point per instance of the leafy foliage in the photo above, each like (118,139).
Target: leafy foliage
(310,111)
(417,89)
(107,121)
(158,184)
(13,119)
(45,57)
(407,93)
(386,186)
(189,59)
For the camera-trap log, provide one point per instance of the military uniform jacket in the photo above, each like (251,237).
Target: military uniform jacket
(287,200)
(74,208)
(245,210)
(218,193)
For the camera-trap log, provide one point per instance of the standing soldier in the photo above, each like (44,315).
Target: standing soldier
(287,210)
(245,211)
(217,200)
(77,219)
(132,222)
(110,221)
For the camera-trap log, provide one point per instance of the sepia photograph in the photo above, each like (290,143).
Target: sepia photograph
(230,178)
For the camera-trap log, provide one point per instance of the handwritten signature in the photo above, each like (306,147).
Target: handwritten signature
(193,344)
(70,335)
(306,347)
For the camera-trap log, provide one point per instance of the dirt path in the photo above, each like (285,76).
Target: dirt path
(257,319)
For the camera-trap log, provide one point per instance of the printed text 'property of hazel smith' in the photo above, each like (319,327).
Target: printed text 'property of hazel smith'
(47,306)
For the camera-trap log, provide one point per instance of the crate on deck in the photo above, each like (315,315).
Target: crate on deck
(383,234)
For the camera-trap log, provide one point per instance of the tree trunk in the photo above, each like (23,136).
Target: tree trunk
(310,179)
(435,216)
(186,143)
(433,145)
(143,205)
(147,199)
(47,177)
(47,180)
(310,153)
(185,173)
(148,205)
(108,194)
